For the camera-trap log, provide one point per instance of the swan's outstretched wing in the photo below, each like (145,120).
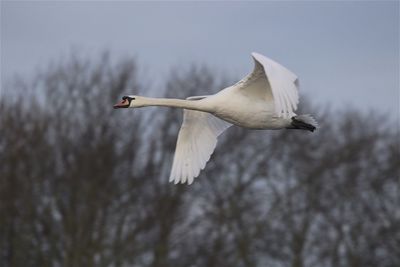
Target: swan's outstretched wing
(196,142)
(282,83)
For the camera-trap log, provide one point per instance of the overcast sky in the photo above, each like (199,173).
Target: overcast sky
(345,53)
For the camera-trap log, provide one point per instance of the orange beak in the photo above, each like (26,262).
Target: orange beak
(123,104)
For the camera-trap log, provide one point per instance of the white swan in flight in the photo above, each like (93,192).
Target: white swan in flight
(264,99)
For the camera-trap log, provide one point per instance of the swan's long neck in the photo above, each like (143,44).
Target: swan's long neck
(171,102)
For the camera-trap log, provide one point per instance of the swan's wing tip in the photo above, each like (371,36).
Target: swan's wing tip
(176,180)
(179,178)
(196,142)
(261,58)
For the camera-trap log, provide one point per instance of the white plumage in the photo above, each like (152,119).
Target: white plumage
(264,99)
(283,83)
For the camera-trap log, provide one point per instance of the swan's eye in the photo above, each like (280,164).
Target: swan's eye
(128,98)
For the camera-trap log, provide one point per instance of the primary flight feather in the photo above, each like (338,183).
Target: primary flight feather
(264,99)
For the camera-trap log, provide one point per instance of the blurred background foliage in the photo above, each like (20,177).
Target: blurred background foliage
(82,184)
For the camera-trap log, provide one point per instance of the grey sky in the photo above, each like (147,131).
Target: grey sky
(345,53)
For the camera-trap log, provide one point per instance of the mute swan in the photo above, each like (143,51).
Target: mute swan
(264,99)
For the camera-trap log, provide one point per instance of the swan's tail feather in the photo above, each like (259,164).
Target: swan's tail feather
(304,122)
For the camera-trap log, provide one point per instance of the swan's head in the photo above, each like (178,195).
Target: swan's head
(128,101)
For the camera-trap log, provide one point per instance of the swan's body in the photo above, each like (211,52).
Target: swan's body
(264,99)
